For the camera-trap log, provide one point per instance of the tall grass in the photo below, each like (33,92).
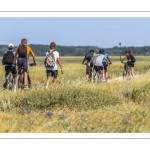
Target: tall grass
(77,105)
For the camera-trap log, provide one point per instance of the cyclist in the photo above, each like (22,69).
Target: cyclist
(51,60)
(22,55)
(98,64)
(106,64)
(88,65)
(7,60)
(130,63)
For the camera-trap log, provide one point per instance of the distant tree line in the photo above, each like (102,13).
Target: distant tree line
(40,50)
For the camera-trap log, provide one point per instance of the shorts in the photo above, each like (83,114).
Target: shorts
(97,68)
(88,69)
(11,69)
(105,66)
(130,64)
(52,73)
(23,63)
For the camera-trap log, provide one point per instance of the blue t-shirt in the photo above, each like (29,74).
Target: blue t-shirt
(106,56)
(14,55)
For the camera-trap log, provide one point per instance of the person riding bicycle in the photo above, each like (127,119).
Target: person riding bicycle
(130,61)
(106,64)
(87,58)
(98,63)
(22,55)
(7,60)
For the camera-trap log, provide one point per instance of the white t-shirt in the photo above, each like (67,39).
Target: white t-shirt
(56,55)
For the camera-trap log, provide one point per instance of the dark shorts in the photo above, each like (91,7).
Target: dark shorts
(52,73)
(130,64)
(97,68)
(23,63)
(11,69)
(105,66)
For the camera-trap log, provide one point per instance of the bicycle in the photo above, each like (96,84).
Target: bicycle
(10,81)
(127,71)
(98,76)
(20,79)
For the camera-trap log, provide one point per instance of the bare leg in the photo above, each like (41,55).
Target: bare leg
(132,71)
(48,81)
(25,78)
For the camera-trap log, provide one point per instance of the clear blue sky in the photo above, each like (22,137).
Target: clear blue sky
(104,32)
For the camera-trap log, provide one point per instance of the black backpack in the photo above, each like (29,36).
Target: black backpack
(132,58)
(89,55)
(22,51)
(8,58)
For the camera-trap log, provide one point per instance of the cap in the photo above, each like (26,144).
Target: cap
(11,45)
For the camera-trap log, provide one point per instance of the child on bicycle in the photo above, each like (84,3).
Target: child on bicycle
(50,62)
(7,60)
(22,55)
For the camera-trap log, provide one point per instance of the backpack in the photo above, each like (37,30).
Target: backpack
(22,50)
(89,55)
(50,59)
(93,61)
(8,58)
(132,58)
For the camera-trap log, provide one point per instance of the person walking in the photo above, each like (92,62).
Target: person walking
(50,62)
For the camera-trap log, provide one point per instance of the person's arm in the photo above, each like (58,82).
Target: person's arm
(33,56)
(83,61)
(110,62)
(106,60)
(16,56)
(60,64)
(123,59)
(3,61)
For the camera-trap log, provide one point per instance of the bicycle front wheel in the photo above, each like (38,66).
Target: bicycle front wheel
(19,82)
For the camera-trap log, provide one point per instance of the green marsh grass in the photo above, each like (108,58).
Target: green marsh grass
(77,105)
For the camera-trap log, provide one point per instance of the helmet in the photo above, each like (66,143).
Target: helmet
(11,45)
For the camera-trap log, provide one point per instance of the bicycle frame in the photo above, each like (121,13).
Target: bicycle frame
(127,71)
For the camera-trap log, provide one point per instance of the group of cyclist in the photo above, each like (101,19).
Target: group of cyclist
(17,59)
(101,62)
(20,59)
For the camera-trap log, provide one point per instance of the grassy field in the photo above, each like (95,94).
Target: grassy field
(78,106)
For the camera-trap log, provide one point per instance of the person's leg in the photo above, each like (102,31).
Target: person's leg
(7,71)
(55,74)
(25,74)
(49,75)
(132,71)
(87,71)
(14,72)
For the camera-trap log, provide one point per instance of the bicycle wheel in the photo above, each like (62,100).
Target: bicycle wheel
(19,82)
(10,82)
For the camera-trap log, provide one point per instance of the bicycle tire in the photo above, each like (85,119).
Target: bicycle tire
(19,82)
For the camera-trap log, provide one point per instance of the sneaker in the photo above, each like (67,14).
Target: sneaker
(103,79)
(5,85)
(26,87)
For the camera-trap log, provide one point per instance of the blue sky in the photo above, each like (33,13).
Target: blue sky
(104,32)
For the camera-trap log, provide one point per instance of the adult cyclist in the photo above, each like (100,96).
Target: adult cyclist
(105,64)
(22,55)
(87,63)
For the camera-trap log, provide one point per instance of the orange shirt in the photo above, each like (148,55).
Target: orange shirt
(29,51)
